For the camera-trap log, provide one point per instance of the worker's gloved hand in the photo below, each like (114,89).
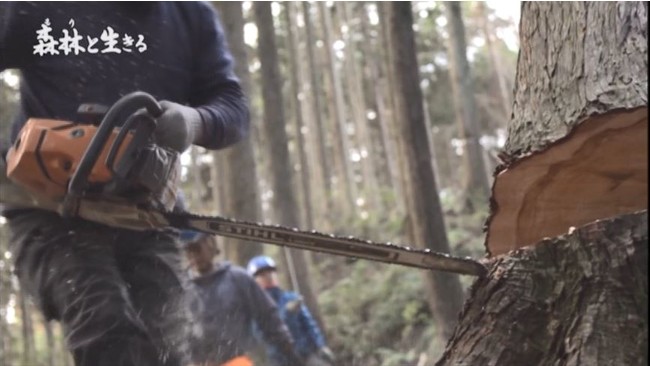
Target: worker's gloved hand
(326,354)
(177,128)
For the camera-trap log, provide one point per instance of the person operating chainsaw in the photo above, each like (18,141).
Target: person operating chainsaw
(117,292)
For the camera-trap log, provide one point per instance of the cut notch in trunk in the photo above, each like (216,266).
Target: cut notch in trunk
(597,171)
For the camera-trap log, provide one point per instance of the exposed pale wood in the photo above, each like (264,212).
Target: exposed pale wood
(598,171)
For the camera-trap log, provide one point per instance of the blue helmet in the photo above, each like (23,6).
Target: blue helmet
(259,263)
(190,236)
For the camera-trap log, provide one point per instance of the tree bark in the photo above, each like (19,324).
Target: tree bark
(338,112)
(477,186)
(577,60)
(51,347)
(321,136)
(387,84)
(354,83)
(375,99)
(425,213)
(505,95)
(578,299)
(285,206)
(244,200)
(28,356)
(305,183)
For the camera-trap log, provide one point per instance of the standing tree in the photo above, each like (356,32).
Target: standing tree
(505,93)
(239,160)
(477,186)
(568,233)
(294,87)
(338,113)
(320,151)
(285,205)
(354,84)
(423,203)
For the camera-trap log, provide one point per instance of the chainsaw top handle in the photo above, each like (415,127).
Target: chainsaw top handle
(125,106)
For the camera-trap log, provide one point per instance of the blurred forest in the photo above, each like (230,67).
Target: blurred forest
(326,152)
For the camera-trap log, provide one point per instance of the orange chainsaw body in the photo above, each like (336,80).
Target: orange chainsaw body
(47,152)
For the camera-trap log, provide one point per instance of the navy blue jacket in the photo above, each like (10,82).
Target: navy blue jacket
(229,305)
(178,52)
(307,336)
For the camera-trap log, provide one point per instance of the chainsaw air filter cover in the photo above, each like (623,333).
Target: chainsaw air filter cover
(47,153)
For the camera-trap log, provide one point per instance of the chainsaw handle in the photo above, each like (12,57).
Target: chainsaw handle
(141,134)
(129,103)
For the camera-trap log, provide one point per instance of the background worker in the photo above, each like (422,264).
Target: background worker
(229,302)
(309,340)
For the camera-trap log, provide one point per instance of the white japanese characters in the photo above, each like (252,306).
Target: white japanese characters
(71,42)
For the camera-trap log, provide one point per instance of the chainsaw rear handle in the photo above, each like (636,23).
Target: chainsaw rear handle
(130,104)
(144,125)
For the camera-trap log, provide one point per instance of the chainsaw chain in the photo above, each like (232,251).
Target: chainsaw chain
(327,243)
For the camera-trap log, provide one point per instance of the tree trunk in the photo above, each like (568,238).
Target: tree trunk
(373,85)
(29,355)
(316,102)
(576,157)
(342,143)
(387,84)
(577,147)
(579,299)
(505,95)
(51,347)
(477,186)
(244,201)
(292,45)
(284,202)
(425,213)
(354,84)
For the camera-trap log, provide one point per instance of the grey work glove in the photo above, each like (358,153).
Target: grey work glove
(178,127)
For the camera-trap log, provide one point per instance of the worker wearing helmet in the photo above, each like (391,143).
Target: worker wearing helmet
(227,304)
(309,341)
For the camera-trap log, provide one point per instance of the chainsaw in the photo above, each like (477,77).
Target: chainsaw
(111,171)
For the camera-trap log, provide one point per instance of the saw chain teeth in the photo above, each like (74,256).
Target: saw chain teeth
(328,243)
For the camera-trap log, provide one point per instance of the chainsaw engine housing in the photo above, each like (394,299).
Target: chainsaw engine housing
(47,153)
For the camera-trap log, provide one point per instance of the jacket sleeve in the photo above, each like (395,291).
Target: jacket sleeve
(216,91)
(267,318)
(310,325)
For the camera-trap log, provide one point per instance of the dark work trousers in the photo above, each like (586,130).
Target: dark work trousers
(118,293)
